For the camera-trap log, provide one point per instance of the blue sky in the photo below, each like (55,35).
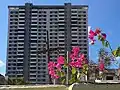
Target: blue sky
(102,13)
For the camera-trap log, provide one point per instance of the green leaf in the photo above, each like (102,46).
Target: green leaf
(72,80)
(99,37)
(106,44)
(85,69)
(118,51)
(62,80)
(114,52)
(65,66)
(103,42)
(74,70)
(78,75)
(58,73)
(62,74)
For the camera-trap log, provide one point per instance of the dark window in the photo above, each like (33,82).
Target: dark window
(13,12)
(74,40)
(34,11)
(22,15)
(74,11)
(21,11)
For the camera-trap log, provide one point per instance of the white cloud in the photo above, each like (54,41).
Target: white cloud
(117,58)
(2,73)
(1,63)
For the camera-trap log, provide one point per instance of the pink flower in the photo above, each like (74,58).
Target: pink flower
(97,31)
(60,60)
(72,64)
(52,72)
(73,57)
(75,49)
(86,61)
(82,56)
(58,66)
(56,76)
(101,66)
(91,36)
(77,60)
(92,33)
(104,36)
(51,65)
(92,42)
(78,64)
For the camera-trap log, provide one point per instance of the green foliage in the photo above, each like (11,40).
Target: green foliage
(78,75)
(16,81)
(73,78)
(60,73)
(116,52)
(62,80)
(99,37)
(74,70)
(85,69)
(105,56)
(105,43)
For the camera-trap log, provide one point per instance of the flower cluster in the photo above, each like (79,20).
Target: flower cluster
(97,32)
(101,65)
(53,67)
(77,61)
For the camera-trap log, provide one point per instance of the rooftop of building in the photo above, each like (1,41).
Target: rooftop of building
(48,6)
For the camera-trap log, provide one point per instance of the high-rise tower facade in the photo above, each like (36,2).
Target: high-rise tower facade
(67,26)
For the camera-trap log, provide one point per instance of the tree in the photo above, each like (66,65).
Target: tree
(16,81)
(105,56)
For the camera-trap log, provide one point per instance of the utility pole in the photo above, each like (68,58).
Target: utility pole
(67,76)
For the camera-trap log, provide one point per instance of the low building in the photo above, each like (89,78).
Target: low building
(2,80)
(112,74)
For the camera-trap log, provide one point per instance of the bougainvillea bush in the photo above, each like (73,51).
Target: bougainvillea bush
(77,66)
(102,37)
(97,34)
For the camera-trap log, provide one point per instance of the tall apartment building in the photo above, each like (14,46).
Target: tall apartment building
(67,26)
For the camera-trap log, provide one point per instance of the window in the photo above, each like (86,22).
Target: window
(84,33)
(13,12)
(84,18)
(43,80)
(21,22)
(21,15)
(74,40)
(74,11)
(53,11)
(34,11)
(84,15)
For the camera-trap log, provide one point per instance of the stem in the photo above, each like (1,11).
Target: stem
(109,46)
(111,49)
